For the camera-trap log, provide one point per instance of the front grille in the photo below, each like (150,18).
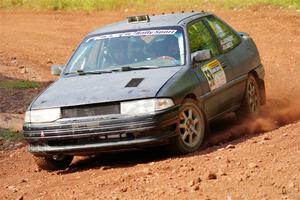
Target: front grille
(91,110)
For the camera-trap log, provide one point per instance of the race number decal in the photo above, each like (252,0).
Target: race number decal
(214,74)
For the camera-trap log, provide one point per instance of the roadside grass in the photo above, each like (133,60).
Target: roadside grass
(142,5)
(293,4)
(10,135)
(18,84)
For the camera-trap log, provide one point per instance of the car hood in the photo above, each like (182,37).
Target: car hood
(100,88)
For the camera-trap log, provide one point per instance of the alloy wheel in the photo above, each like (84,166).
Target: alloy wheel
(253,97)
(191,127)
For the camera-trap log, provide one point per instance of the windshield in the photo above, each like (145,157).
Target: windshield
(143,48)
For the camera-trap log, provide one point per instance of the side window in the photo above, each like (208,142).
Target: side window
(225,35)
(200,38)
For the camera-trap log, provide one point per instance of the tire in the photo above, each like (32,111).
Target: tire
(190,129)
(251,101)
(52,163)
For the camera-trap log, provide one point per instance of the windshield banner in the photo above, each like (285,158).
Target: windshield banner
(136,33)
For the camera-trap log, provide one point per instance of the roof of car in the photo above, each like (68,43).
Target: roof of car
(155,21)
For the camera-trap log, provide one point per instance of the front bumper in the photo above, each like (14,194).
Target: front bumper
(89,135)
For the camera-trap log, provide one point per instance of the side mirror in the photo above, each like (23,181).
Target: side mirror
(201,55)
(56,69)
(244,35)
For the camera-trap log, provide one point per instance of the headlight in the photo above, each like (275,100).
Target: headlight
(45,115)
(145,106)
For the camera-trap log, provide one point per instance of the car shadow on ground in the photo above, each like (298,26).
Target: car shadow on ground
(118,159)
(225,131)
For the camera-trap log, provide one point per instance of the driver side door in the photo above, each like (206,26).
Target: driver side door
(212,73)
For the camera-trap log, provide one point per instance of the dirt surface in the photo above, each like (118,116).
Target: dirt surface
(246,160)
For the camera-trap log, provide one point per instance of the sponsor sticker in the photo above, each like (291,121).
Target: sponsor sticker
(214,74)
(135,33)
(226,43)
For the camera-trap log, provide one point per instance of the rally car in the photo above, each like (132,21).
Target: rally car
(142,82)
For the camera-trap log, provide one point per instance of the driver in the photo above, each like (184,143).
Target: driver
(118,52)
(167,48)
(172,49)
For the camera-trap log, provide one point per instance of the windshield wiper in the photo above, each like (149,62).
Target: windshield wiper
(81,72)
(123,69)
(129,68)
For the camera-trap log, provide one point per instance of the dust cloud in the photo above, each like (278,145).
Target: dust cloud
(274,114)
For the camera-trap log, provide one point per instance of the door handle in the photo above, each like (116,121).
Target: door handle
(224,65)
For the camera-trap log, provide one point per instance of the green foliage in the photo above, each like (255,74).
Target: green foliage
(295,4)
(86,5)
(10,135)
(143,5)
(18,84)
(201,39)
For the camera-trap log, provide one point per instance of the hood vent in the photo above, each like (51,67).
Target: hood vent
(134,82)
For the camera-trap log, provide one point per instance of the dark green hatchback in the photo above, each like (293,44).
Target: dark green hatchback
(143,82)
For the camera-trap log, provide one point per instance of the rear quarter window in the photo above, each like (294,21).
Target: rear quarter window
(227,38)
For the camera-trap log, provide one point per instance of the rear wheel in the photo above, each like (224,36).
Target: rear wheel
(251,105)
(55,162)
(190,128)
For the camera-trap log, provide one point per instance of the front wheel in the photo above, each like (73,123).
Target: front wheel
(190,128)
(55,162)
